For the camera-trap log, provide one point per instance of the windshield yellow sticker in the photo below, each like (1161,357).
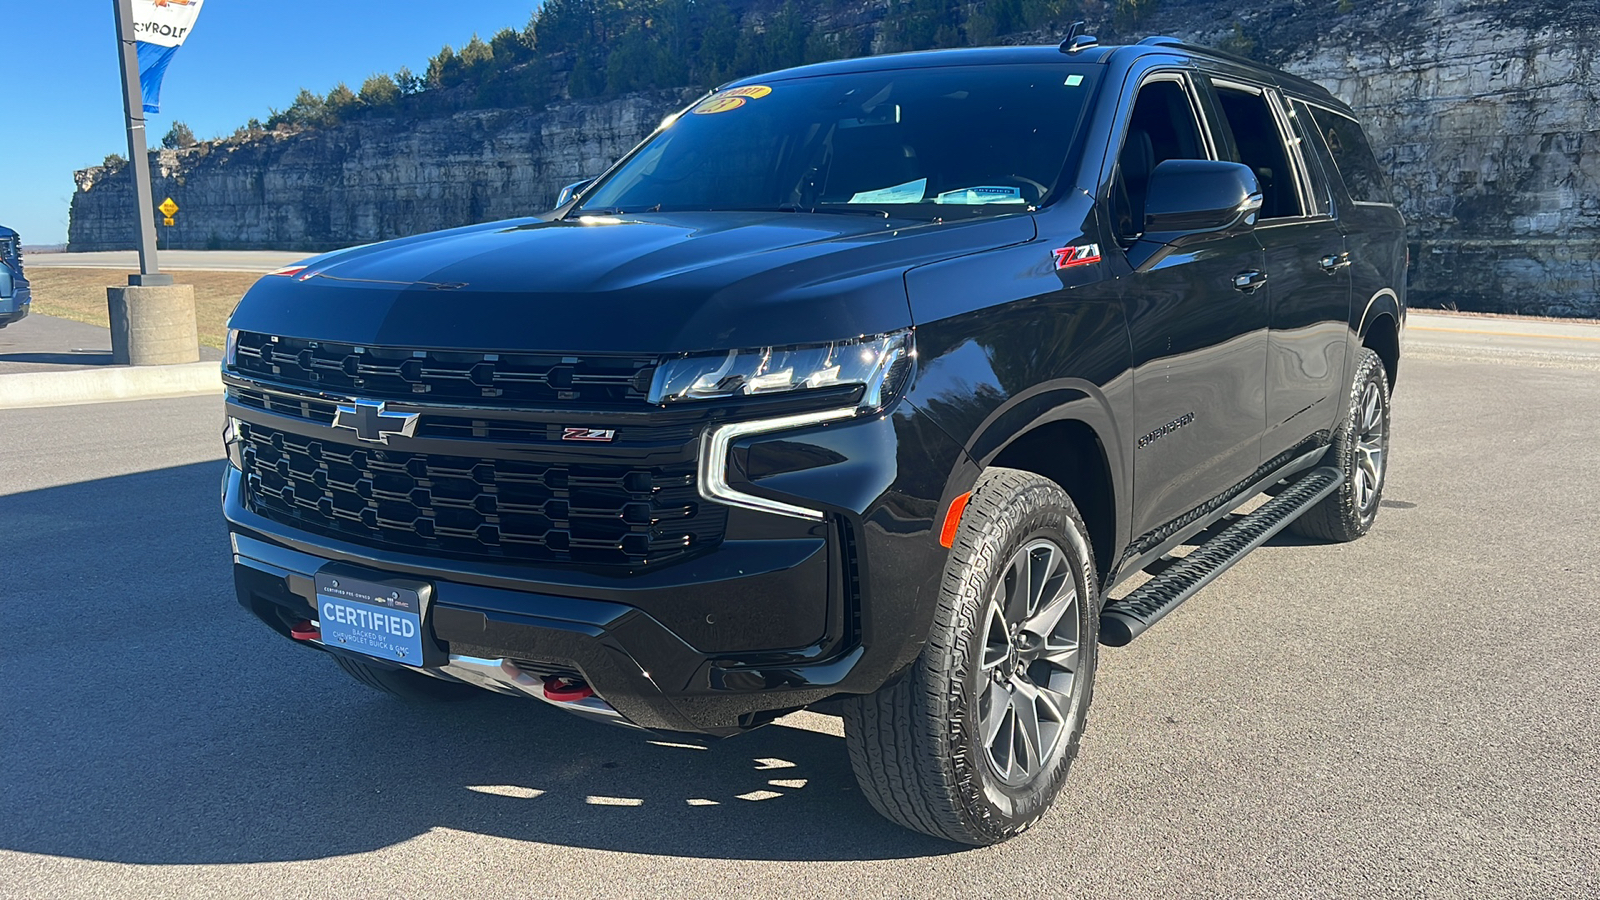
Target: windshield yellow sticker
(733,99)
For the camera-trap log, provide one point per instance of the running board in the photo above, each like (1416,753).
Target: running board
(1123,620)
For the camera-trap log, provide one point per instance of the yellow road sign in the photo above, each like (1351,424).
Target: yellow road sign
(169,221)
(168,208)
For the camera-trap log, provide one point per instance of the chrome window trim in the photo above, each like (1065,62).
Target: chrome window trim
(1287,138)
(714,461)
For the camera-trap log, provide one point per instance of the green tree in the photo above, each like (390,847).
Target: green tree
(442,69)
(178,137)
(339,100)
(475,54)
(380,91)
(408,83)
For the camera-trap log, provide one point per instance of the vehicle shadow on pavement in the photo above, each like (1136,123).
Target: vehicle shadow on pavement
(146,718)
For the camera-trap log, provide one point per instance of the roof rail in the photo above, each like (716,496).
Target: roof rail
(1162,40)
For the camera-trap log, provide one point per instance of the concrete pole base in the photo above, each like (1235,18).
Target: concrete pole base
(153,326)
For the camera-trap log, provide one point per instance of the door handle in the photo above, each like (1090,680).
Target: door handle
(1249,281)
(1334,262)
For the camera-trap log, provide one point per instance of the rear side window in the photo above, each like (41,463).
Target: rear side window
(1352,155)
(1305,135)
(1259,145)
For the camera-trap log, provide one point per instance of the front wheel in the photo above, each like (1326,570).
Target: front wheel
(974,743)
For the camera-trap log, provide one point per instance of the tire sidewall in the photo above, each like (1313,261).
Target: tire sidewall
(1039,510)
(1370,372)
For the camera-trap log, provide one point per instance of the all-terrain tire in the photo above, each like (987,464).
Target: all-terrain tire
(413,687)
(915,745)
(1348,513)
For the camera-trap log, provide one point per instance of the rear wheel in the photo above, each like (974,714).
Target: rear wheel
(413,687)
(1361,451)
(974,743)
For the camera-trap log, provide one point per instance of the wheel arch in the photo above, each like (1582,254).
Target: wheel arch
(1380,331)
(1071,453)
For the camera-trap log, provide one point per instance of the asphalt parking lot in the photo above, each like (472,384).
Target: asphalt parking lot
(1414,714)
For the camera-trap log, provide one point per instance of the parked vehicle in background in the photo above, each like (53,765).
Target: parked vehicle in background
(15,295)
(868,384)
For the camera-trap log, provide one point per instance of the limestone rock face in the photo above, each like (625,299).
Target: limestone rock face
(1487,115)
(371,179)
(1491,134)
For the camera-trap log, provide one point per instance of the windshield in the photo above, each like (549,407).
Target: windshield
(934,142)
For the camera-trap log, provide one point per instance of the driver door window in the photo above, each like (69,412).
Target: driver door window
(1163,126)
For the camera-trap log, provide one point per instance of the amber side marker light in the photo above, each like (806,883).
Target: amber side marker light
(952,519)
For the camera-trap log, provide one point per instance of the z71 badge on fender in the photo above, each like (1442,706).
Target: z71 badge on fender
(589,434)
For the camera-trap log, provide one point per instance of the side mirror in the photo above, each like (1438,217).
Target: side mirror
(1191,201)
(570,191)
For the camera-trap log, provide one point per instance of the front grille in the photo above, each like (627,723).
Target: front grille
(492,379)
(478,424)
(595,513)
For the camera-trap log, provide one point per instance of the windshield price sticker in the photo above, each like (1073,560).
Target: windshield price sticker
(731,99)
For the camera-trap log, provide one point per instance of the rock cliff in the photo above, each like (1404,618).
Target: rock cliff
(1485,113)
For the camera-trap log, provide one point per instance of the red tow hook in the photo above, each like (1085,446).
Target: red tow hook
(303,630)
(566,690)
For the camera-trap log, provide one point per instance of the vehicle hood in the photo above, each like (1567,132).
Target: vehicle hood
(657,283)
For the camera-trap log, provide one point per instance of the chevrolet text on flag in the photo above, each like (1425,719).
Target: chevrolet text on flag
(160,27)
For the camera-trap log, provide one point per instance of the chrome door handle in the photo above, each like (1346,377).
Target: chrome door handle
(1334,262)
(1249,281)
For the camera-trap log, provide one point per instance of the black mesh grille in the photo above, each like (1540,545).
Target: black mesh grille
(436,375)
(589,513)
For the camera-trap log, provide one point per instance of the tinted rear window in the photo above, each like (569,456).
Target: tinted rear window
(936,142)
(1358,166)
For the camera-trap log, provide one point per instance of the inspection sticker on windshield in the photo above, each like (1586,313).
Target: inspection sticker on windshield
(731,99)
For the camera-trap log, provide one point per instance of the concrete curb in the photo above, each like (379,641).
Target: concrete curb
(33,389)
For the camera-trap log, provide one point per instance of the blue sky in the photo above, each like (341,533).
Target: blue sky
(61,106)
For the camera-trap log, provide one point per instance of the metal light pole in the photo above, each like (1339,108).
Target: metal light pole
(138,153)
(152,319)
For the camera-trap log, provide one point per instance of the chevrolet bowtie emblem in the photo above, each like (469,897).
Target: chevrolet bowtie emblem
(372,421)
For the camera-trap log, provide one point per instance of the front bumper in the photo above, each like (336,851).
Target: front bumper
(14,308)
(782,614)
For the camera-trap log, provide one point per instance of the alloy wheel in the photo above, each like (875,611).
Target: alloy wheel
(1371,446)
(1030,657)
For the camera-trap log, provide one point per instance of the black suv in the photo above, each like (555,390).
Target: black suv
(866,384)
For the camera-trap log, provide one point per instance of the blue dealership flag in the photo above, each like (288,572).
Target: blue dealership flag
(160,27)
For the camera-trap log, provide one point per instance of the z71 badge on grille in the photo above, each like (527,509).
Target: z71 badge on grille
(589,434)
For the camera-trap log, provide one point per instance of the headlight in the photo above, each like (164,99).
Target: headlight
(230,353)
(879,364)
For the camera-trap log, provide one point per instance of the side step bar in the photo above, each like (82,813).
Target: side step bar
(1125,619)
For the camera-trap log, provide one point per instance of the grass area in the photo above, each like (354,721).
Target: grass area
(80,295)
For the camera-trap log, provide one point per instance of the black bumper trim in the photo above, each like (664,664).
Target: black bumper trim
(650,675)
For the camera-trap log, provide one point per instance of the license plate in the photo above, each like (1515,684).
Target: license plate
(377,620)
